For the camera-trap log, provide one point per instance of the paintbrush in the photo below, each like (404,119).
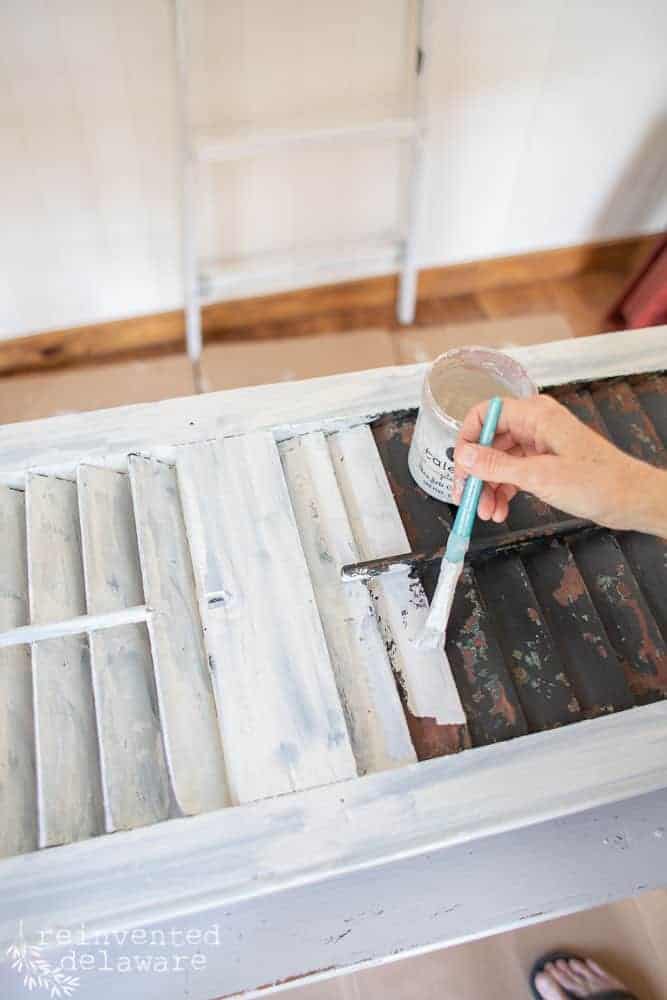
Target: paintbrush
(451,567)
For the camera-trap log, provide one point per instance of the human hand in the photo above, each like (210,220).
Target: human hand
(544,449)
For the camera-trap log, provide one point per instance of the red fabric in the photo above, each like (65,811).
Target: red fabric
(644,302)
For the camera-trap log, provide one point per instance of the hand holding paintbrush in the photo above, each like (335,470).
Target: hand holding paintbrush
(457,544)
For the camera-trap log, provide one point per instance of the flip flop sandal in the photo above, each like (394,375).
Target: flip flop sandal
(554,956)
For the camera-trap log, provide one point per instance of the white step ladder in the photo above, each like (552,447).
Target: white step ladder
(206,280)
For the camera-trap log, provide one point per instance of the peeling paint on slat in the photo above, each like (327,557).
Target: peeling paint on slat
(280,718)
(134,772)
(18,789)
(68,767)
(430,696)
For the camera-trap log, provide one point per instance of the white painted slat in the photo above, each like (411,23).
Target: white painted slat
(68,777)
(135,784)
(282,724)
(185,697)
(401,604)
(18,789)
(366,684)
(26,634)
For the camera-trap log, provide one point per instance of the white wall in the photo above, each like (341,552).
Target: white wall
(548,127)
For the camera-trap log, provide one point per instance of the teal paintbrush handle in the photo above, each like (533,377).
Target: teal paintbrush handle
(459,537)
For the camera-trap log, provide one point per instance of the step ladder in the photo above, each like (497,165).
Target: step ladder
(204,281)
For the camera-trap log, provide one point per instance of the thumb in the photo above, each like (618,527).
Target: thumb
(494,466)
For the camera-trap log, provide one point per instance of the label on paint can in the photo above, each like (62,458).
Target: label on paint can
(455,382)
(431,457)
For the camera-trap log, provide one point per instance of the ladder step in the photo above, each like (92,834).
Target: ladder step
(303,266)
(18,790)
(282,724)
(134,772)
(68,776)
(186,705)
(366,684)
(262,140)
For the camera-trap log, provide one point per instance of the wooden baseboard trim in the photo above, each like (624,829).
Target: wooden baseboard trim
(323,309)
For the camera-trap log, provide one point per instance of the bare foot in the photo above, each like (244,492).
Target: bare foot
(580,978)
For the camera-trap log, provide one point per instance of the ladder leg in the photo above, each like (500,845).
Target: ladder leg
(193,332)
(407,286)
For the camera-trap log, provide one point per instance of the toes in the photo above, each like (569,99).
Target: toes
(568,979)
(604,978)
(578,978)
(583,970)
(548,988)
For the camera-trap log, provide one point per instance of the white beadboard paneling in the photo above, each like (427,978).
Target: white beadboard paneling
(108,139)
(144,35)
(134,774)
(602,179)
(18,790)
(185,697)
(366,685)
(88,162)
(68,775)
(481,99)
(281,721)
(46,181)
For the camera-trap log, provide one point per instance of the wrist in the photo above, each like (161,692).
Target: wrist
(649,500)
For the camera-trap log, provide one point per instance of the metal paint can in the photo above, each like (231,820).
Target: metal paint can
(456,381)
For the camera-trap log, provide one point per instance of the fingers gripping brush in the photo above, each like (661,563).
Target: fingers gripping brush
(451,567)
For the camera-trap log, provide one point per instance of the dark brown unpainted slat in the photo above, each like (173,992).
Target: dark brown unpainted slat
(632,430)
(426,521)
(628,424)
(647,555)
(580,402)
(482,677)
(541,681)
(543,687)
(625,615)
(592,665)
(652,394)
(485,684)
(590,662)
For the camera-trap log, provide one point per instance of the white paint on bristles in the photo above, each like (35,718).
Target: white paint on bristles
(366,685)
(435,627)
(280,717)
(400,601)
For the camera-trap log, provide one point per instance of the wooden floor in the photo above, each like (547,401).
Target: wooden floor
(584,300)
(581,302)
(630,936)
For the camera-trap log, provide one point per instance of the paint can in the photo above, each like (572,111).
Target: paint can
(454,383)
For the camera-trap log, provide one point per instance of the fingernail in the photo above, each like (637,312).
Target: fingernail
(457,487)
(466,456)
